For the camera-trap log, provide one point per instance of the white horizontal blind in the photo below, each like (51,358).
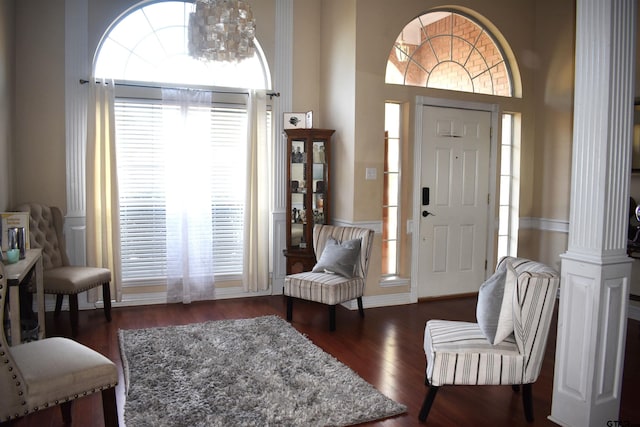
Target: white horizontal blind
(141,156)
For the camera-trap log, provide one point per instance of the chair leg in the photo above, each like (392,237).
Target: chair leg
(360,307)
(332,318)
(59,298)
(106,299)
(65,408)
(109,407)
(426,378)
(73,313)
(428,401)
(289,308)
(527,401)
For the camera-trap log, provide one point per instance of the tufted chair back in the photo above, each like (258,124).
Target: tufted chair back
(45,231)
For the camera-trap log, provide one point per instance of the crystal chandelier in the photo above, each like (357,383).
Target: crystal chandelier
(221,30)
(402,49)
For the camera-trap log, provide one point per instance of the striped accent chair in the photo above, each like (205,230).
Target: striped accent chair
(458,353)
(329,288)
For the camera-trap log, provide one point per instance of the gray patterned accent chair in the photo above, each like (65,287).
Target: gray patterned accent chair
(459,353)
(59,277)
(329,287)
(49,372)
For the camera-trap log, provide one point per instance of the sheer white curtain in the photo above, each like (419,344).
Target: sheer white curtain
(189,235)
(103,211)
(255,275)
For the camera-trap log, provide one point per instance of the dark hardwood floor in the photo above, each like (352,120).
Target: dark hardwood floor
(385,348)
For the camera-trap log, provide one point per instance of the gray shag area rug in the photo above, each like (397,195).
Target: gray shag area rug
(247,372)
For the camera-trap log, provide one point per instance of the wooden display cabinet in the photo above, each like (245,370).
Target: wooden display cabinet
(308,193)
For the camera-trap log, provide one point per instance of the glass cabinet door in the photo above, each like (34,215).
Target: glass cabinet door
(319,180)
(298,165)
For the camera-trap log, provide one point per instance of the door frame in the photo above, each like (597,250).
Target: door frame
(421,102)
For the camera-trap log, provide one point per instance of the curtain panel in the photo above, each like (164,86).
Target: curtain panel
(102,215)
(189,233)
(255,275)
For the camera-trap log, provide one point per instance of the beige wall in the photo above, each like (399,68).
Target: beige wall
(39,150)
(7,98)
(340,52)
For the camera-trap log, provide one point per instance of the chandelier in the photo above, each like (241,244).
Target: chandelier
(402,49)
(221,30)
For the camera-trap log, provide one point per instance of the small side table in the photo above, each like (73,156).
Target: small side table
(16,273)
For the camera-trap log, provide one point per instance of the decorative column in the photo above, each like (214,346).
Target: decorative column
(596,269)
(283,83)
(77,66)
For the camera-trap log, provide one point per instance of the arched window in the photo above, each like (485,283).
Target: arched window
(175,118)
(149,44)
(448,50)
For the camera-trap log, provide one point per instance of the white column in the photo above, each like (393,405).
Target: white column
(595,269)
(77,66)
(283,83)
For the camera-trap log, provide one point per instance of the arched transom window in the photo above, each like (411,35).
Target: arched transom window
(447,50)
(150,44)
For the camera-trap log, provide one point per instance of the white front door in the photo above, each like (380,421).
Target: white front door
(454,200)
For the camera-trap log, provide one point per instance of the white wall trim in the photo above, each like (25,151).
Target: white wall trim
(381,301)
(544,224)
(634,311)
(376,226)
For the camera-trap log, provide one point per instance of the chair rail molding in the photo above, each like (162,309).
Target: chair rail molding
(544,224)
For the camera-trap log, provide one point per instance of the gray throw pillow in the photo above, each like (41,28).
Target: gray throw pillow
(490,301)
(339,258)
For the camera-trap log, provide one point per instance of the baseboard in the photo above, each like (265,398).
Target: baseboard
(380,301)
(447,297)
(634,311)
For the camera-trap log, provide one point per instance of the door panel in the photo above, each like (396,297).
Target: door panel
(455,167)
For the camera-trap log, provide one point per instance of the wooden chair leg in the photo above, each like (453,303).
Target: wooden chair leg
(289,308)
(110,407)
(59,298)
(527,401)
(428,401)
(65,408)
(73,313)
(360,307)
(106,299)
(332,318)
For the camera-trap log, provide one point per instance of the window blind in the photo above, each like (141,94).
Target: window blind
(141,158)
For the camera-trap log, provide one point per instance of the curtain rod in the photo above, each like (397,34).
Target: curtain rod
(269,94)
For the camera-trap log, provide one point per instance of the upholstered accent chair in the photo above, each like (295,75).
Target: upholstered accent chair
(340,273)
(49,372)
(462,353)
(59,277)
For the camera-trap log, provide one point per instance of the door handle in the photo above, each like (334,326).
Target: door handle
(427,213)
